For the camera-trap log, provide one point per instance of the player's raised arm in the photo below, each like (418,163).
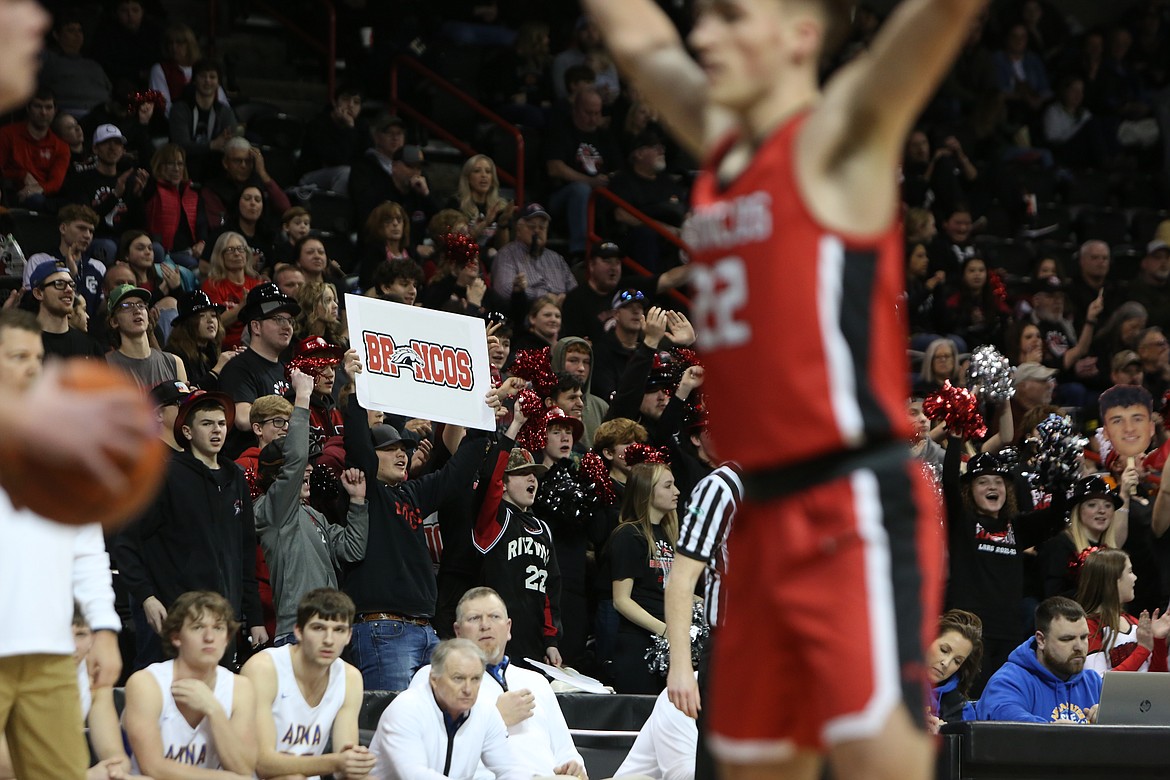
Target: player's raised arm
(880,94)
(651,54)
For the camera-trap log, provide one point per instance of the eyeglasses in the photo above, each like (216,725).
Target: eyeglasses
(60,284)
(277,422)
(282,320)
(133,306)
(235,250)
(630,296)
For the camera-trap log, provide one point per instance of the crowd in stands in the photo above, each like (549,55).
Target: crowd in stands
(182,260)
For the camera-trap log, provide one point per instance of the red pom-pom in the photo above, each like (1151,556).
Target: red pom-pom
(136,99)
(309,365)
(998,288)
(595,477)
(532,436)
(461,249)
(253,480)
(534,367)
(1077,562)
(958,408)
(637,453)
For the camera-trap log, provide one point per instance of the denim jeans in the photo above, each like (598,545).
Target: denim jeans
(389,652)
(285,639)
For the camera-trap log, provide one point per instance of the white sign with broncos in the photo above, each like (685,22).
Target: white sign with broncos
(420,363)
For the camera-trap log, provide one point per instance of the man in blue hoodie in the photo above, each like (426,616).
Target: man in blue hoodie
(1044,679)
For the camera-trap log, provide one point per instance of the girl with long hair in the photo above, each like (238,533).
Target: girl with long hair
(386,237)
(1099,517)
(640,553)
(478,198)
(974,311)
(197,340)
(1117,640)
(137,250)
(230,276)
(250,217)
(953,661)
(320,314)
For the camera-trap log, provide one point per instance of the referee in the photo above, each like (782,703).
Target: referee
(701,548)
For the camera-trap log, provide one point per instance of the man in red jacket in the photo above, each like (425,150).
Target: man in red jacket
(33,160)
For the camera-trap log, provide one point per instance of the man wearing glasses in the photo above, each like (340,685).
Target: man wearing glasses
(243,167)
(129,310)
(55,290)
(268,317)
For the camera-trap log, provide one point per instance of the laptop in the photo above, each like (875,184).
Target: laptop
(1135,699)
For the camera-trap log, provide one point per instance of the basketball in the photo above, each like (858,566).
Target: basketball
(56,491)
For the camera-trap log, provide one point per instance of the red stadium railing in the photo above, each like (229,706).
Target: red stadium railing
(516,180)
(595,238)
(327,47)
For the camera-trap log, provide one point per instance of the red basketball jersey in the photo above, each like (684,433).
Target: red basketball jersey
(804,347)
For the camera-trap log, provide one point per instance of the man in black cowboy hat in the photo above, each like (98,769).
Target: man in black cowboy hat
(269,318)
(199,534)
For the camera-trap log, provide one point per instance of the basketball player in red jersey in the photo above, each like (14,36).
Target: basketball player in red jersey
(833,566)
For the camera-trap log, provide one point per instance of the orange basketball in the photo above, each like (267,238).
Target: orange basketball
(58,493)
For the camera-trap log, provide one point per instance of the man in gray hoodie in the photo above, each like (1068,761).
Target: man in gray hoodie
(574,355)
(303,549)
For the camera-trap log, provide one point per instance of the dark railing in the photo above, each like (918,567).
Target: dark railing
(326,48)
(633,211)
(516,180)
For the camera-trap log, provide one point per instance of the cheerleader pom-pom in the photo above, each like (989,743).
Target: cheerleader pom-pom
(992,375)
(1059,451)
(462,250)
(532,365)
(595,478)
(637,453)
(958,408)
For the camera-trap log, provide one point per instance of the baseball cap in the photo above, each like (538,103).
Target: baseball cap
(648,137)
(1027,371)
(626,297)
(608,250)
(384,121)
(44,271)
(1157,245)
(520,461)
(409,154)
(197,397)
(1048,284)
(1124,358)
(107,133)
(534,210)
(172,391)
(387,436)
(124,291)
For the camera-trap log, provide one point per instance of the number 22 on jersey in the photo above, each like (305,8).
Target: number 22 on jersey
(721,292)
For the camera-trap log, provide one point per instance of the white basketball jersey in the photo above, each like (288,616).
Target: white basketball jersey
(302,730)
(186,744)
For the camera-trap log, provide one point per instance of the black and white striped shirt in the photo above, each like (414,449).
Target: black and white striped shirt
(705,527)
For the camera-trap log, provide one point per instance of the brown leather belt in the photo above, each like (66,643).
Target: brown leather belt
(366,617)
